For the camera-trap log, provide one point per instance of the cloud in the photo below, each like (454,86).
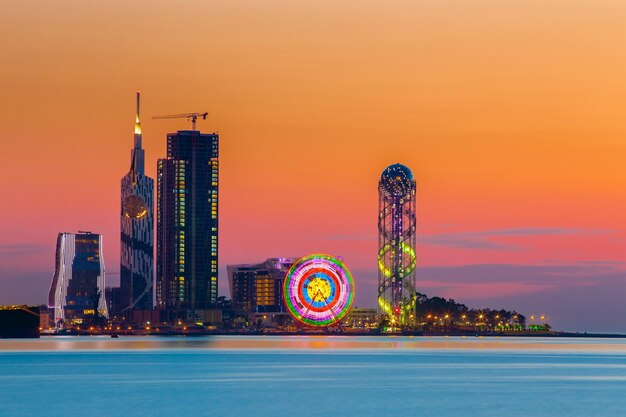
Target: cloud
(20,248)
(354,237)
(534,231)
(578,296)
(481,239)
(489,239)
(597,262)
(573,273)
(537,277)
(480,290)
(463,242)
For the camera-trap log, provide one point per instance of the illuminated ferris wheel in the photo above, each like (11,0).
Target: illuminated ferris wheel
(318,290)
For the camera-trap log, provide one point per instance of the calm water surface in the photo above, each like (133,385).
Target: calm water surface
(312,376)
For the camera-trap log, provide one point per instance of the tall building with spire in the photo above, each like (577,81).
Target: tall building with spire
(137,231)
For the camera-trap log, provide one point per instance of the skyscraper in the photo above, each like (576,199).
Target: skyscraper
(77,290)
(137,231)
(396,243)
(187,214)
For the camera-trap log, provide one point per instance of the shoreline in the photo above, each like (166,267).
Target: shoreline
(584,335)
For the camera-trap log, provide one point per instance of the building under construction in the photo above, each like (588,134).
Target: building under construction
(187,223)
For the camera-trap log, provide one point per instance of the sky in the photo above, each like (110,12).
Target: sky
(511,115)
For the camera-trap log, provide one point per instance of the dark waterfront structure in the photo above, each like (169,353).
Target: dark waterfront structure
(77,293)
(137,232)
(396,244)
(258,288)
(19,321)
(187,214)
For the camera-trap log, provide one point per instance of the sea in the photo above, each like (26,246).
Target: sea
(299,376)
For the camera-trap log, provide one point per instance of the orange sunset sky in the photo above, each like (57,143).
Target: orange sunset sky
(511,114)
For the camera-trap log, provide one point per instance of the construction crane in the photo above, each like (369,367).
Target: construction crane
(189,116)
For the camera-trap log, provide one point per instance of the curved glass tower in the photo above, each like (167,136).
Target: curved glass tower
(396,244)
(77,290)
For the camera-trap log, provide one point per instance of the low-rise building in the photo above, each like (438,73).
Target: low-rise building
(361,318)
(258,288)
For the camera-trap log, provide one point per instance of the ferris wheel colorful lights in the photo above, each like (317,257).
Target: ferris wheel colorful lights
(319,290)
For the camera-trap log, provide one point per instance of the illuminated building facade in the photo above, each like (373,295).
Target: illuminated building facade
(396,244)
(187,222)
(363,318)
(258,288)
(77,291)
(137,232)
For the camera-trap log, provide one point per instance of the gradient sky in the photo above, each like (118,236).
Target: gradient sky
(511,115)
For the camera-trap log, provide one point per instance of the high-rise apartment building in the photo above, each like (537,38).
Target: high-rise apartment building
(77,292)
(187,222)
(137,231)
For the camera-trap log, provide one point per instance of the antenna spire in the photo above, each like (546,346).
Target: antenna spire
(137,154)
(137,122)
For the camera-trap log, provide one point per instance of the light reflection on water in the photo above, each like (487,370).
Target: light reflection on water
(312,376)
(71,343)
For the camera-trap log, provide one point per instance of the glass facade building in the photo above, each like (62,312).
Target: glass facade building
(137,232)
(77,292)
(187,222)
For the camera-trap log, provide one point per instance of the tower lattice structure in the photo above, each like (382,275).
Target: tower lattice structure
(396,244)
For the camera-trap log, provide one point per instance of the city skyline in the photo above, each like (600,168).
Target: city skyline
(515,135)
